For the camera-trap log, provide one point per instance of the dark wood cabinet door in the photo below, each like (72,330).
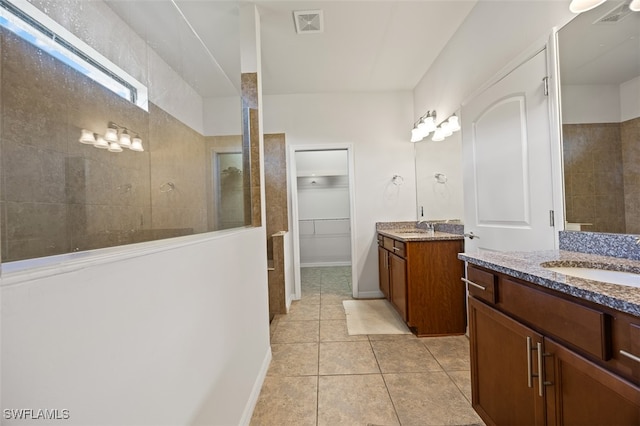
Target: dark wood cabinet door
(383,271)
(505,388)
(398,278)
(580,393)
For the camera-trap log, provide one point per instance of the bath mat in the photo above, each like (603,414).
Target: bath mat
(373,317)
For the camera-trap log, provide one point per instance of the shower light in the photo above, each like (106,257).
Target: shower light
(115,138)
(87,137)
(101,143)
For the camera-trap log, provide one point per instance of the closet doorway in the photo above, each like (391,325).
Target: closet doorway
(323,210)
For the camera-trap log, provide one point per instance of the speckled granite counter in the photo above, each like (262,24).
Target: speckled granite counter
(417,231)
(407,235)
(527,266)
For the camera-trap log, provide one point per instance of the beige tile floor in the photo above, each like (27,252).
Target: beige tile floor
(320,375)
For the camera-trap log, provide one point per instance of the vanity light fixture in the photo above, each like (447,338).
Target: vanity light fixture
(112,141)
(579,6)
(427,124)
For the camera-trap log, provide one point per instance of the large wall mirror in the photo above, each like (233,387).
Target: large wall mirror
(184,174)
(599,56)
(439,178)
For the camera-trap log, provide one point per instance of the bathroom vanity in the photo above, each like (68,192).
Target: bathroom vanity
(419,274)
(549,348)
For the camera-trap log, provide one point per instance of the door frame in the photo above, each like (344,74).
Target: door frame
(291,163)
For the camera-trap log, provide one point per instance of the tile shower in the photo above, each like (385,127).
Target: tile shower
(602,176)
(59,196)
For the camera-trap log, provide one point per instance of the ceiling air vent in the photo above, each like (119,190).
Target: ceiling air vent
(308,21)
(616,15)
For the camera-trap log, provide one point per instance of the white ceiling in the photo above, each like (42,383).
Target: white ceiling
(600,53)
(365,46)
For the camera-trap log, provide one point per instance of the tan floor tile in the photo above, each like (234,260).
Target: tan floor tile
(273,325)
(404,356)
(310,299)
(302,312)
(294,359)
(296,332)
(336,331)
(462,379)
(334,299)
(452,352)
(429,399)
(332,312)
(347,358)
(354,400)
(287,401)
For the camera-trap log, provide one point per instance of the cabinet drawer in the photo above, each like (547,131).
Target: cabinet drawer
(399,248)
(578,325)
(387,243)
(482,284)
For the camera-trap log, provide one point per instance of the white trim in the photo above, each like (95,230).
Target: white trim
(377,294)
(555,130)
(26,270)
(291,164)
(323,264)
(255,391)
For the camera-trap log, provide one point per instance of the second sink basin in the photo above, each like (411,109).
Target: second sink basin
(604,275)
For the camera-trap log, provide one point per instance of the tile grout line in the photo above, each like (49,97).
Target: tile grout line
(395,410)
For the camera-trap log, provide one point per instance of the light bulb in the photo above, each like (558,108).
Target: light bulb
(446,129)
(125,140)
(634,6)
(454,122)
(101,143)
(136,144)
(438,135)
(430,123)
(115,147)
(579,6)
(87,137)
(416,135)
(111,135)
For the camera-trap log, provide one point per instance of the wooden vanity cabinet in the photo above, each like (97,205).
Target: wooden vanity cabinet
(421,279)
(541,357)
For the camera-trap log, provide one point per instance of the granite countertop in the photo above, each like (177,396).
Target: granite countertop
(408,235)
(527,266)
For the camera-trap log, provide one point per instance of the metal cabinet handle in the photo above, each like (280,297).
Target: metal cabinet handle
(471,283)
(396,249)
(540,371)
(630,355)
(529,369)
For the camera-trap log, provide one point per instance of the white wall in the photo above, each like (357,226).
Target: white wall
(152,338)
(630,99)
(158,333)
(378,125)
(590,103)
(494,33)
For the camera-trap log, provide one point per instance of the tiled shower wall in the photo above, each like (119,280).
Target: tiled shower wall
(59,196)
(601,161)
(630,134)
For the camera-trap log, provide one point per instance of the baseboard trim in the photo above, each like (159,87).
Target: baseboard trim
(320,264)
(257,387)
(370,294)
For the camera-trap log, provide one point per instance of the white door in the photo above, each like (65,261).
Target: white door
(507,168)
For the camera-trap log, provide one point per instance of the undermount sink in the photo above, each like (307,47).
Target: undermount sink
(604,275)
